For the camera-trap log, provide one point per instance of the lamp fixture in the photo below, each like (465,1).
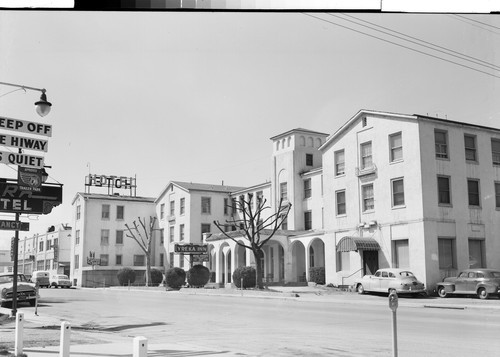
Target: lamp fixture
(43,105)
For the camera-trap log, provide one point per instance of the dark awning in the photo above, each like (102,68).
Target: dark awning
(347,244)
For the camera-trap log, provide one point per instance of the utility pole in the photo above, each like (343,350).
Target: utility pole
(14,287)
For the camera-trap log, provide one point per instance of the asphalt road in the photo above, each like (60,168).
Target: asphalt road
(336,325)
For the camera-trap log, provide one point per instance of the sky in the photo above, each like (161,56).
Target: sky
(196,96)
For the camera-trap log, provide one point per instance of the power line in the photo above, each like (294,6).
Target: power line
(466,21)
(459,55)
(403,46)
(479,22)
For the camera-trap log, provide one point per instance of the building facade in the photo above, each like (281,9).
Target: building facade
(100,231)
(384,190)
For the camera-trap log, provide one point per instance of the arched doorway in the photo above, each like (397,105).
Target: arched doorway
(317,253)
(240,255)
(298,262)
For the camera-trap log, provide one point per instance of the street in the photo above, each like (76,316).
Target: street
(309,325)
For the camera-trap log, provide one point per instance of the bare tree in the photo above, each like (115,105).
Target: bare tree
(143,235)
(255,227)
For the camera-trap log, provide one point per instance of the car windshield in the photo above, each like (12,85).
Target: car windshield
(10,278)
(406,273)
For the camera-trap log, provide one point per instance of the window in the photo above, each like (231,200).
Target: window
(368,200)
(47,245)
(104,259)
(205,228)
(307,220)
(495,151)
(183,205)
(120,211)
(47,264)
(396,146)
(162,236)
(441,143)
(77,262)
(162,211)
(171,234)
(104,236)
(398,192)
(307,188)
(309,159)
(119,236)
(181,232)
(476,253)
(470,147)
(171,260)
(497,194)
(446,251)
(105,212)
(181,260)
(40,247)
(444,194)
(162,259)
(118,259)
(233,205)
(473,190)
(78,212)
(401,254)
(340,198)
(205,205)
(226,206)
(283,191)
(339,163)
(172,208)
(139,260)
(284,224)
(77,237)
(366,155)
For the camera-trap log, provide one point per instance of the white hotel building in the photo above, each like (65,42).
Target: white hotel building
(385,190)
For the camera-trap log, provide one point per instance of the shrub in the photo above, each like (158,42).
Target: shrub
(156,277)
(175,277)
(248,275)
(198,275)
(126,276)
(317,275)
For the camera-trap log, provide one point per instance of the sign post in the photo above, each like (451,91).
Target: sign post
(393,305)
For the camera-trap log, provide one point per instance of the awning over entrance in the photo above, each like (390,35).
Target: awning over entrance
(347,244)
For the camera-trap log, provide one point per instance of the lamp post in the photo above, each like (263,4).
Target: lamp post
(42,108)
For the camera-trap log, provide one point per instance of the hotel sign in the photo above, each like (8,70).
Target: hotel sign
(191,248)
(14,226)
(111,182)
(14,199)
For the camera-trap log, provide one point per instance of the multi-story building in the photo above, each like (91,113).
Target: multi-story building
(186,211)
(49,251)
(100,231)
(385,190)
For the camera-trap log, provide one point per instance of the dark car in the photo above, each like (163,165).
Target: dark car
(481,282)
(26,291)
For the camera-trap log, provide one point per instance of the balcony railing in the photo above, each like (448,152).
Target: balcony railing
(362,171)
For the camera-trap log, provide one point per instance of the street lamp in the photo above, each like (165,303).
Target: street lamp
(43,105)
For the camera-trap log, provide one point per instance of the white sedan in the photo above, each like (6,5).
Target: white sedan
(388,280)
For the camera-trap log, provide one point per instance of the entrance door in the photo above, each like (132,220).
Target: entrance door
(370,262)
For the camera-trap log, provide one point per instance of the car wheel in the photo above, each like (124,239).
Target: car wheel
(442,292)
(482,293)
(360,289)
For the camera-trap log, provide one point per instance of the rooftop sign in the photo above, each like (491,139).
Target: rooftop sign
(111,183)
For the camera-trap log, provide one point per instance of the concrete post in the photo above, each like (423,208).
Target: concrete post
(140,347)
(65,339)
(18,346)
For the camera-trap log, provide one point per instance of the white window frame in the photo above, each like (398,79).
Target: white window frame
(394,193)
(366,199)
(442,151)
(338,203)
(394,148)
(366,159)
(470,149)
(339,158)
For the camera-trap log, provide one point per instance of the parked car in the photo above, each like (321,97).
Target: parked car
(60,280)
(387,280)
(480,282)
(41,277)
(26,291)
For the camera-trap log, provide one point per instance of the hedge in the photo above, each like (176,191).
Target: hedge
(248,275)
(198,276)
(317,275)
(175,277)
(126,276)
